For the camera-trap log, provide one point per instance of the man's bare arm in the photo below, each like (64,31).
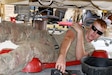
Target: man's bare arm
(61,62)
(80,51)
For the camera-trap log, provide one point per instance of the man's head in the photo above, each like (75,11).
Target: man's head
(96,30)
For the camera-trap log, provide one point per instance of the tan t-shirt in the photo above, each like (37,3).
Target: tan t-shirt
(71,52)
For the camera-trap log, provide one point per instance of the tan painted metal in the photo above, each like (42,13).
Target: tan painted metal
(11,1)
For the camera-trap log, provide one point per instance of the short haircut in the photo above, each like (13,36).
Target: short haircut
(102,23)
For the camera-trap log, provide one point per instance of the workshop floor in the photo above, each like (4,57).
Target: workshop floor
(48,71)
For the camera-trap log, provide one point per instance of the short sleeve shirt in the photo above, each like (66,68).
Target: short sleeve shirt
(71,52)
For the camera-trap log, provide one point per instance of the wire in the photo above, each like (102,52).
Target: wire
(94,5)
(45,3)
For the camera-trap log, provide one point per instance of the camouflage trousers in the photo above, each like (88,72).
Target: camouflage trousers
(16,60)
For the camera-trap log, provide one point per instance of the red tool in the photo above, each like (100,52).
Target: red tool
(65,23)
(5,51)
(36,65)
(100,54)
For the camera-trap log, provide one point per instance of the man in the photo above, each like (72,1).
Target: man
(39,44)
(82,45)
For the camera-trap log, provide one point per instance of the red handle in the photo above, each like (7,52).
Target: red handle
(5,51)
(52,65)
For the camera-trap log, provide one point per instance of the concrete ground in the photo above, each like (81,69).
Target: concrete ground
(48,71)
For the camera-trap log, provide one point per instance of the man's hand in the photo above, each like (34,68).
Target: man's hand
(61,64)
(77,27)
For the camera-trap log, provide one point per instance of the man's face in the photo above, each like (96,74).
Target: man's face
(95,32)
